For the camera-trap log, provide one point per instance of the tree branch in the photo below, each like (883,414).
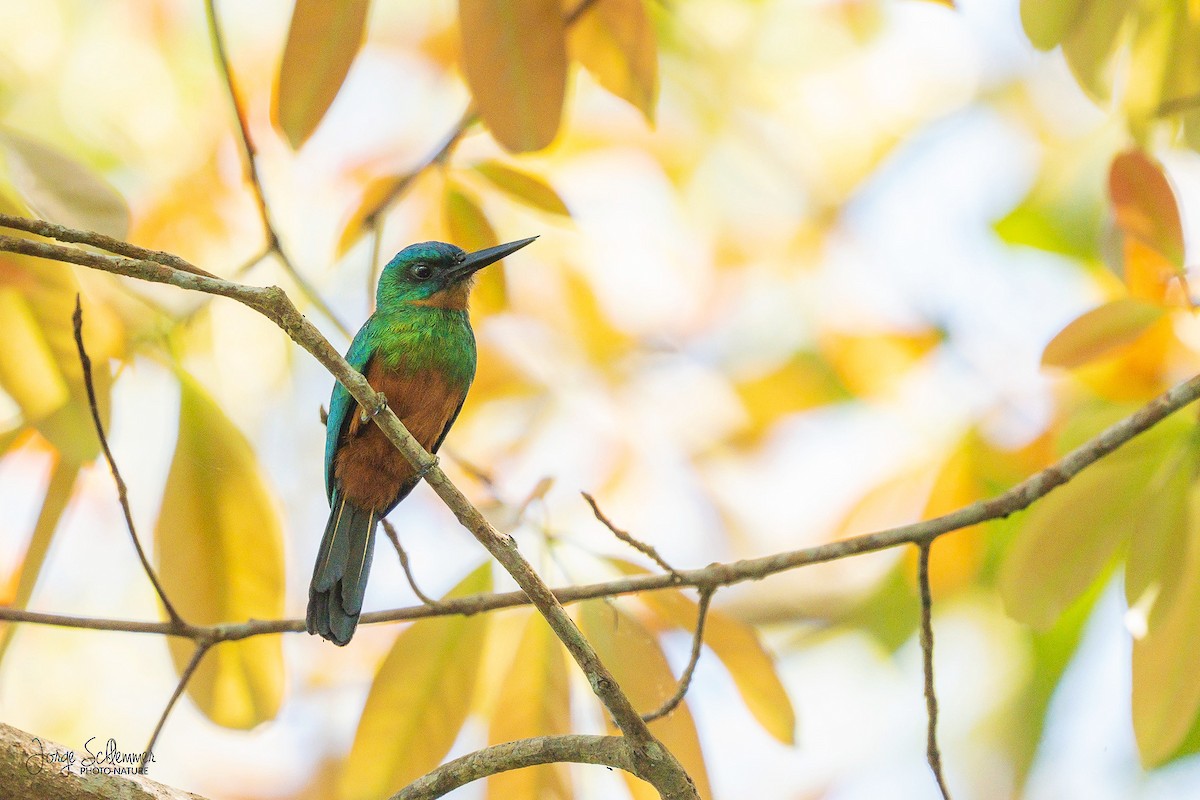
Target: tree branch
(608,751)
(32,768)
(655,763)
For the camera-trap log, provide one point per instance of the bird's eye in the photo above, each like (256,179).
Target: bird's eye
(421,271)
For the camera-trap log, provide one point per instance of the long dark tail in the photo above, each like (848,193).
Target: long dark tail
(339,582)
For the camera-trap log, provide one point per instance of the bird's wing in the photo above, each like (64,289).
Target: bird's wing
(342,406)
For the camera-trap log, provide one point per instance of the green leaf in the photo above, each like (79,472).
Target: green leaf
(322,42)
(1069,536)
(637,663)
(220,552)
(515,61)
(58,494)
(1064,212)
(419,699)
(534,700)
(614,40)
(1096,333)
(1046,22)
(1166,694)
(1092,42)
(60,189)
(529,189)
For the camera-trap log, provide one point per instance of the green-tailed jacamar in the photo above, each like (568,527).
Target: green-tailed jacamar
(418,350)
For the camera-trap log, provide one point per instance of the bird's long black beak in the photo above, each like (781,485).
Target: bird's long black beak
(482,258)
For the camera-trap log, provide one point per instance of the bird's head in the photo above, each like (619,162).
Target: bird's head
(436,274)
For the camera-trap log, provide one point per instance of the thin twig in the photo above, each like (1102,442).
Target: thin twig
(122,494)
(412,581)
(685,680)
(624,536)
(932,754)
(202,647)
(250,160)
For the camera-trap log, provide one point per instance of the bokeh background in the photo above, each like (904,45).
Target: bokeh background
(802,292)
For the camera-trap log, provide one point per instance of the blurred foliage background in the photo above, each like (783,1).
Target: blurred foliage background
(806,269)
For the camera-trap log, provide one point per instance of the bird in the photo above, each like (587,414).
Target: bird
(418,350)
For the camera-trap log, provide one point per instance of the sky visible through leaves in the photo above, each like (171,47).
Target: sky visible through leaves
(806,270)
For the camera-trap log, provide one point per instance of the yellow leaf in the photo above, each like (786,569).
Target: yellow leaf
(534,701)
(802,382)
(322,42)
(58,494)
(419,699)
(1166,694)
(49,291)
(1068,537)
(615,41)
(515,61)
(872,363)
(1144,204)
(740,650)
(1096,333)
(582,314)
(529,189)
(639,666)
(468,227)
(220,554)
(60,189)
(28,370)
(374,195)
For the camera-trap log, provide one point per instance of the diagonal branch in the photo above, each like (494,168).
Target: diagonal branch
(122,493)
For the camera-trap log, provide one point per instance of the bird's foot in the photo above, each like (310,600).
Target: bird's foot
(366,416)
(428,468)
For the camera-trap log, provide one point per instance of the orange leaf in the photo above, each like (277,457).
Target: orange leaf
(374,196)
(322,42)
(615,41)
(1144,204)
(515,61)
(1095,333)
